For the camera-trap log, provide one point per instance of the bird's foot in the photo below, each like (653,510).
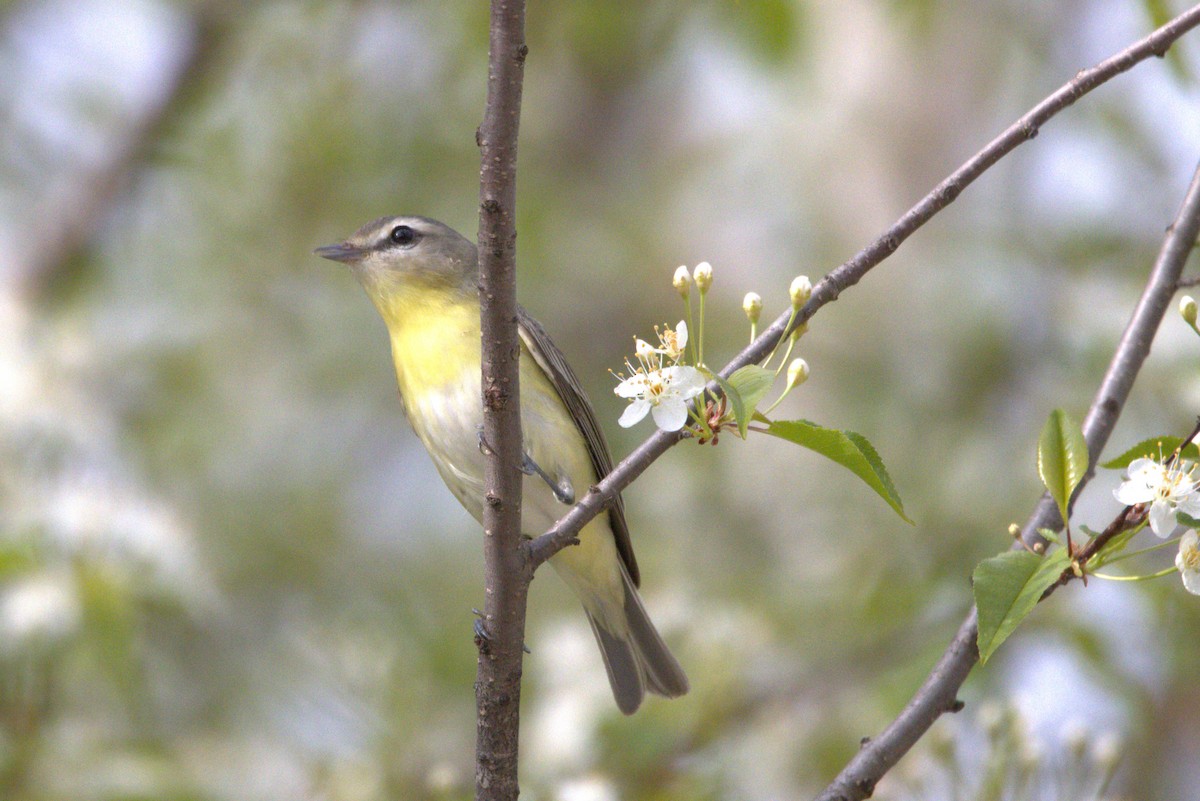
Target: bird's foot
(563,489)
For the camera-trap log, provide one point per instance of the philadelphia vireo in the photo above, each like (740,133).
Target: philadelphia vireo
(423,278)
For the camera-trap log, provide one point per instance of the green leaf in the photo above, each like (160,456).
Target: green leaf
(752,383)
(848,449)
(1007,587)
(1153,448)
(1049,535)
(1186,520)
(1062,457)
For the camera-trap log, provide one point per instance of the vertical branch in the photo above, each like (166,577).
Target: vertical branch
(502,632)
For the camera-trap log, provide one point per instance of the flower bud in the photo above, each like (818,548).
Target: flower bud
(682,280)
(800,290)
(752,306)
(1187,307)
(797,373)
(704,276)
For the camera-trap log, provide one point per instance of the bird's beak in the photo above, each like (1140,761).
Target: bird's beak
(342,251)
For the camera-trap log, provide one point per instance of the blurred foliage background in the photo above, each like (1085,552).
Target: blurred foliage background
(229,571)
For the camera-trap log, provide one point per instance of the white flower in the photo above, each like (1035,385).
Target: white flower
(673,342)
(663,392)
(1167,489)
(1188,561)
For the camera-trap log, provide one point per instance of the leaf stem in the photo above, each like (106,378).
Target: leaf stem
(791,319)
(693,334)
(1140,551)
(1109,577)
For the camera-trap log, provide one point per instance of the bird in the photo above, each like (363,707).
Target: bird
(423,277)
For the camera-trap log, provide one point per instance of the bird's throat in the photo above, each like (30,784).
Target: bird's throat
(435,337)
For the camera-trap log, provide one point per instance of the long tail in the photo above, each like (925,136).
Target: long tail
(637,660)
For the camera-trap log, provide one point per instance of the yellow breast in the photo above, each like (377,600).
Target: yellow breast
(435,339)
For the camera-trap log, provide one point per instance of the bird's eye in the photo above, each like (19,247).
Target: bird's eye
(403,235)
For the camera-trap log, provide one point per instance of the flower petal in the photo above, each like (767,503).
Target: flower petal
(1191,581)
(634,413)
(632,387)
(670,414)
(1188,561)
(1189,543)
(1143,465)
(686,382)
(1131,492)
(1162,518)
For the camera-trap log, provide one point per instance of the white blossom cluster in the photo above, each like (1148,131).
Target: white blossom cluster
(1169,489)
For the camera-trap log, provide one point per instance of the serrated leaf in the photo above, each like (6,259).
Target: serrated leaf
(848,449)
(1062,457)
(1153,448)
(752,383)
(1007,588)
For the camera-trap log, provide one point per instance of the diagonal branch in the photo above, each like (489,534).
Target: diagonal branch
(940,691)
(501,633)
(851,272)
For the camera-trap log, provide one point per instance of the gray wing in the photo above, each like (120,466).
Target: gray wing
(554,365)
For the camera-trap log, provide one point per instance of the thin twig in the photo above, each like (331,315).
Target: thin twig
(501,632)
(940,691)
(851,272)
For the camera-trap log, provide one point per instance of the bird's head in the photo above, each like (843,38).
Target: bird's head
(392,254)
